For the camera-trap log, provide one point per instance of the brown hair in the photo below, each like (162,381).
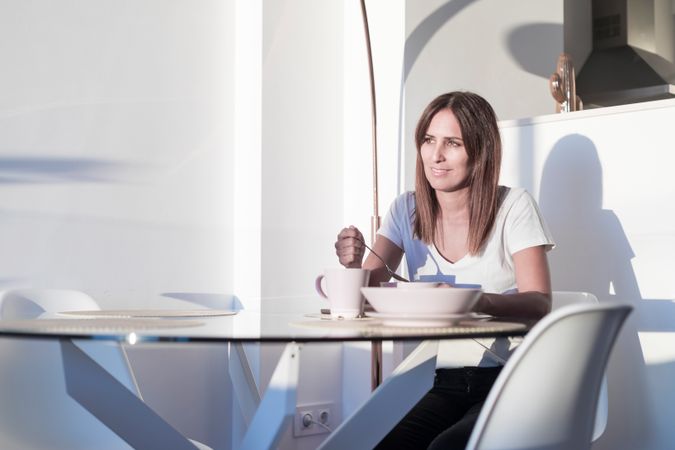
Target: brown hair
(478,124)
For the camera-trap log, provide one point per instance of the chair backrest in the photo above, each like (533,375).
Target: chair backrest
(546,395)
(564,298)
(36,412)
(31,303)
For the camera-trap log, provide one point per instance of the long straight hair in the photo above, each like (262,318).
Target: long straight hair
(478,124)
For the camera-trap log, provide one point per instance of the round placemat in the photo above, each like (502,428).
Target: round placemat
(154,313)
(462,327)
(92,325)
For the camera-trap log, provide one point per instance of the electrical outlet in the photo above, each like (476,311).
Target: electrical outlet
(309,416)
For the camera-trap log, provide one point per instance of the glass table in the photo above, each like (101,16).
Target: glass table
(76,333)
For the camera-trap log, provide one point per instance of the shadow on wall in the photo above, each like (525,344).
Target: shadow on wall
(415,43)
(37,170)
(422,34)
(593,254)
(532,48)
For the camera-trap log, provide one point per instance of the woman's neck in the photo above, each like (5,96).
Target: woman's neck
(454,204)
(452,228)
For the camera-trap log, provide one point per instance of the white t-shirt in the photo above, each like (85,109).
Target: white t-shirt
(518,225)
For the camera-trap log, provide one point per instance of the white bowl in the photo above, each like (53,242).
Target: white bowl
(427,300)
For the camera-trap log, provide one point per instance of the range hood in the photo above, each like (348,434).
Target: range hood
(633,53)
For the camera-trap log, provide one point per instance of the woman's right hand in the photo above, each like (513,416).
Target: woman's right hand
(349,247)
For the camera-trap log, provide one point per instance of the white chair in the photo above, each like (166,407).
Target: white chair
(564,298)
(31,303)
(546,395)
(57,394)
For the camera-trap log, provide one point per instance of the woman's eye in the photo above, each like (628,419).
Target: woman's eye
(453,144)
(427,140)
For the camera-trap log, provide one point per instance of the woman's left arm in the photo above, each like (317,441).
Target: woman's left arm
(533,279)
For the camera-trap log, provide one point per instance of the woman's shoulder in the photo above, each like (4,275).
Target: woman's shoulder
(516,201)
(406,196)
(515,198)
(511,195)
(405,201)
(403,206)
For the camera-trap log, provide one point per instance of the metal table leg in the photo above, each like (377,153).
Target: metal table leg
(277,407)
(113,404)
(389,403)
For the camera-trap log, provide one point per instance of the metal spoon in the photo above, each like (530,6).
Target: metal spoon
(393,274)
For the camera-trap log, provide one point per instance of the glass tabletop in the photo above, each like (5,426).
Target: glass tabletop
(252,326)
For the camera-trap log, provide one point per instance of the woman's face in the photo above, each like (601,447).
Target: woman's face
(443,154)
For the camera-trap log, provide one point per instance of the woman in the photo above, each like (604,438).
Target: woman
(461,224)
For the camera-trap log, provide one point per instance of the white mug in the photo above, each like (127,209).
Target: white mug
(343,291)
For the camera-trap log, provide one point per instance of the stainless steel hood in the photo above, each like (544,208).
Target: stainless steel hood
(620,75)
(625,65)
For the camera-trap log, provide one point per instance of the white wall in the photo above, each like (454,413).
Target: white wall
(115,161)
(607,197)
(116,125)
(301,143)
(386,20)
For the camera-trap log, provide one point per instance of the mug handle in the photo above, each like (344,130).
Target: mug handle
(317,285)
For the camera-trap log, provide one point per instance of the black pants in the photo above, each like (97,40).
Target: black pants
(445,416)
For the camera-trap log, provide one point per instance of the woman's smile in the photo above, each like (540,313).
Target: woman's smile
(436,171)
